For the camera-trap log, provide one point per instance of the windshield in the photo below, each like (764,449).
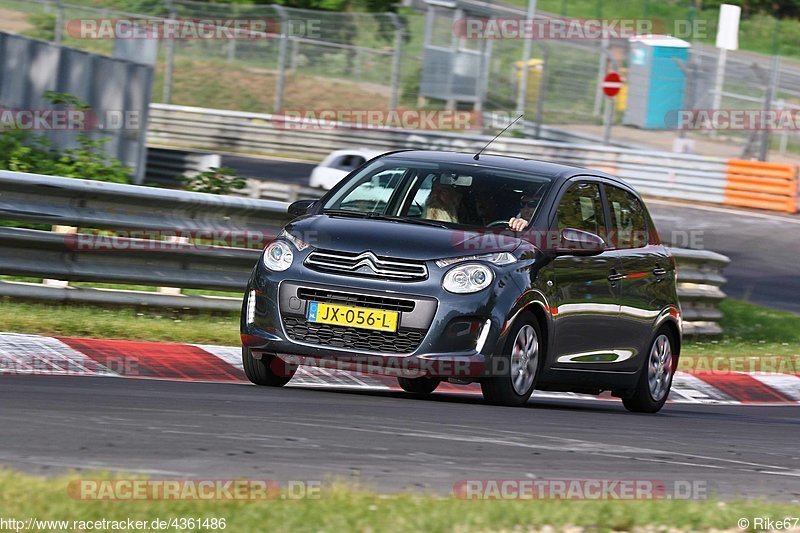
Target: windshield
(451,194)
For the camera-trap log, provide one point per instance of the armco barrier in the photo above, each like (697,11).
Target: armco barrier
(166,167)
(651,172)
(122,260)
(771,186)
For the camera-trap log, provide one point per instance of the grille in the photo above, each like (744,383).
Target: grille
(366,264)
(375,302)
(402,342)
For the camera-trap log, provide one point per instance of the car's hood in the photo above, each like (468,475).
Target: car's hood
(396,239)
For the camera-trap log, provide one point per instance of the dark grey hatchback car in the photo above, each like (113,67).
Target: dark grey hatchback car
(437,266)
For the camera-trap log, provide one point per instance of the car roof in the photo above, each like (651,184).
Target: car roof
(559,172)
(364,152)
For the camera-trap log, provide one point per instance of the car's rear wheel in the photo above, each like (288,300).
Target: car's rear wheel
(418,385)
(270,370)
(517,366)
(655,378)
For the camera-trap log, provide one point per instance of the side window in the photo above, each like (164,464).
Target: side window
(628,221)
(582,208)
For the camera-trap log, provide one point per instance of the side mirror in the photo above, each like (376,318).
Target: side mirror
(579,242)
(300,207)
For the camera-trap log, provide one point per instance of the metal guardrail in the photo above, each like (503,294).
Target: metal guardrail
(165,166)
(95,204)
(122,260)
(281,192)
(665,174)
(700,281)
(651,172)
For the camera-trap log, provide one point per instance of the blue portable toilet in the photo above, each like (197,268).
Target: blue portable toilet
(656,83)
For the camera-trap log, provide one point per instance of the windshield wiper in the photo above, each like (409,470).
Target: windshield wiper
(345,213)
(419,221)
(379,216)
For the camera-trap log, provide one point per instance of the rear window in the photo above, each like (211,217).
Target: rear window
(628,219)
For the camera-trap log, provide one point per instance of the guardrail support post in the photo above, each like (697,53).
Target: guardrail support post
(66,230)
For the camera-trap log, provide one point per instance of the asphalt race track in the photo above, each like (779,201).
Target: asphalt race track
(764,248)
(387,440)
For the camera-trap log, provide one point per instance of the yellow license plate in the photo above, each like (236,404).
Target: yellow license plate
(354,317)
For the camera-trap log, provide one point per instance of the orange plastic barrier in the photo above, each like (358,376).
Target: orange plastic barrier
(761,185)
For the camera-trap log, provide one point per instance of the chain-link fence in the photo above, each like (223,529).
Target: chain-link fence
(312,60)
(294,58)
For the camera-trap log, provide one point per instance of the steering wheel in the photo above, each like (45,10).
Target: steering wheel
(497,223)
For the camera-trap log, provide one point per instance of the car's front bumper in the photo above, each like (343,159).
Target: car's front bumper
(446,335)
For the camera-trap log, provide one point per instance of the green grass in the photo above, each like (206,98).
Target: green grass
(124,287)
(340,508)
(751,330)
(756,32)
(119,323)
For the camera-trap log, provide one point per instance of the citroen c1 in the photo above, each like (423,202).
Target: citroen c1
(519,275)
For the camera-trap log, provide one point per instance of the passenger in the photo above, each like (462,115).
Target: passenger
(443,203)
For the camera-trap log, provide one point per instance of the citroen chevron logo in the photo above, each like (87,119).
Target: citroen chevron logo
(367,259)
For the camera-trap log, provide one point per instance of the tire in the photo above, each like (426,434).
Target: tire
(655,377)
(524,339)
(269,371)
(418,385)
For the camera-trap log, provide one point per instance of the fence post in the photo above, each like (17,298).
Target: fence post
(527,45)
(357,66)
(772,88)
(295,54)
(537,132)
(396,53)
(58,31)
(602,70)
(231,57)
(774,76)
(280,82)
(719,82)
(169,59)
(232,49)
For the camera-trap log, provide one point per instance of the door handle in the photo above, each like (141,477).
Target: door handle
(658,271)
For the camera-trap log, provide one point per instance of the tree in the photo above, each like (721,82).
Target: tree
(783,9)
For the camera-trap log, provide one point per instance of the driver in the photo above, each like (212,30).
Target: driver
(485,207)
(527,207)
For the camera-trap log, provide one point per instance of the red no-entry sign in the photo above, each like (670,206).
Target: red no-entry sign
(612,83)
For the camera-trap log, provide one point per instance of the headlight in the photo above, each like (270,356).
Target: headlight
(467,278)
(499,259)
(298,243)
(278,256)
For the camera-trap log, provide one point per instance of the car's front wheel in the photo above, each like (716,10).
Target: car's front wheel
(270,370)
(517,367)
(655,378)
